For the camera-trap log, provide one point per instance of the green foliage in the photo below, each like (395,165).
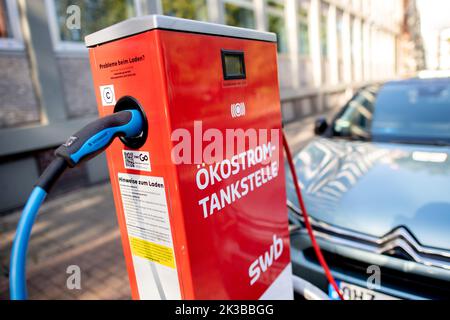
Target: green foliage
(277,25)
(239,16)
(188,9)
(95,15)
(303,30)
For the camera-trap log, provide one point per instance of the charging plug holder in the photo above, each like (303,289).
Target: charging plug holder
(130,103)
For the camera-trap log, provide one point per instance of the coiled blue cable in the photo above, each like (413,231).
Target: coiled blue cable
(17,277)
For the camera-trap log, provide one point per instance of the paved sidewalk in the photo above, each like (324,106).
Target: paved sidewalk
(76,229)
(80,228)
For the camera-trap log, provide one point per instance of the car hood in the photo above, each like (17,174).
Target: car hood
(374,188)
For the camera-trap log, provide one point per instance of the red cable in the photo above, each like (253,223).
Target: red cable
(316,247)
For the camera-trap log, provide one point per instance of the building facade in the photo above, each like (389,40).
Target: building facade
(411,46)
(444,49)
(326,49)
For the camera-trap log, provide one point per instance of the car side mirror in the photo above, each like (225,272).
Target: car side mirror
(320,126)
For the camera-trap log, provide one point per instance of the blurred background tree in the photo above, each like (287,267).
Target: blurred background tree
(187,9)
(95,15)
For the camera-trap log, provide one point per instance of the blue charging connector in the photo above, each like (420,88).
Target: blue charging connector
(83,145)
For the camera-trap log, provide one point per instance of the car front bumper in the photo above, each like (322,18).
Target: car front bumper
(398,278)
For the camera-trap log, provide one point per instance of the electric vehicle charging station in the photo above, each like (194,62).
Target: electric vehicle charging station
(197,172)
(182,235)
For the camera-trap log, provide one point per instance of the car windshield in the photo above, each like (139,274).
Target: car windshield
(409,112)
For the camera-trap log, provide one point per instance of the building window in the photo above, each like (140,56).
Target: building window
(240,13)
(324,30)
(188,9)
(340,43)
(352,48)
(303,27)
(94,16)
(276,23)
(362,48)
(10,35)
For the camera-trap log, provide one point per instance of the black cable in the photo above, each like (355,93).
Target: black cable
(51,174)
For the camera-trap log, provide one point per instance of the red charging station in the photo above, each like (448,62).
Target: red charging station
(195,224)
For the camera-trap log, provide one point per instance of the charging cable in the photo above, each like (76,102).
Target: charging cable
(82,146)
(315,245)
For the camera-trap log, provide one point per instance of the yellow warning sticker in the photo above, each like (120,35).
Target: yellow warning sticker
(152,251)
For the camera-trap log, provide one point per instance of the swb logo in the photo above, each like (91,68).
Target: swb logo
(265,261)
(238,109)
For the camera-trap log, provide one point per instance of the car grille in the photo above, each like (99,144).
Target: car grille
(399,243)
(411,283)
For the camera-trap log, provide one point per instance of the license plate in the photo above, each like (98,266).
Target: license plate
(353,292)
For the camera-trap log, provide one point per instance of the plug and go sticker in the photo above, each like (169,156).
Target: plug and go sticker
(150,237)
(137,160)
